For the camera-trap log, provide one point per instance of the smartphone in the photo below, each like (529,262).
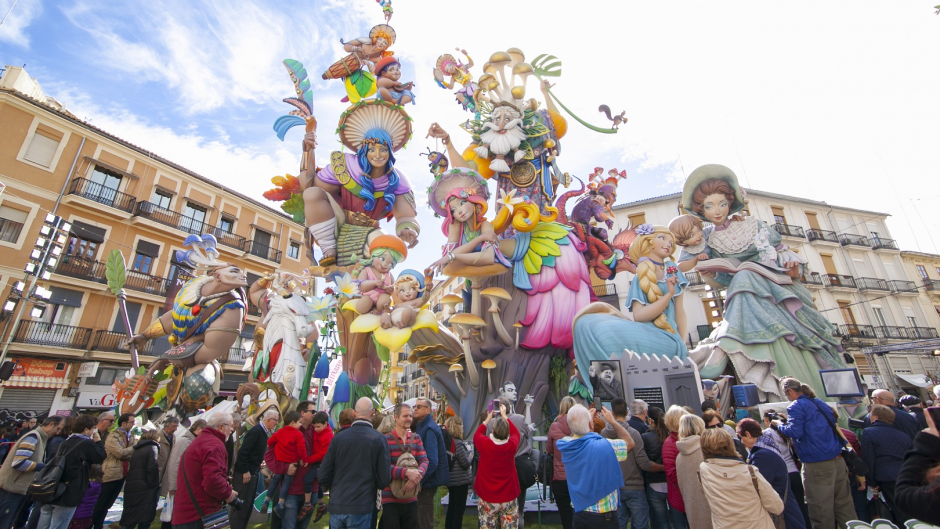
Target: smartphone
(934,412)
(494,405)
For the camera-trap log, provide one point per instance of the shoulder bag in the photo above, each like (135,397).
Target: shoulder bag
(405,460)
(778,519)
(48,484)
(216,520)
(852,461)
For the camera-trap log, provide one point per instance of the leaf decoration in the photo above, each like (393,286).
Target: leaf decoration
(295,208)
(116,271)
(546,66)
(284,187)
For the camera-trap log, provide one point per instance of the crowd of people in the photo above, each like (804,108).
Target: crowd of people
(608,467)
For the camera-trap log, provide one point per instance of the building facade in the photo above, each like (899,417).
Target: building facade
(859,278)
(115,196)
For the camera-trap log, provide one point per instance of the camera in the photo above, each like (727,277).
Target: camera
(774,416)
(237,504)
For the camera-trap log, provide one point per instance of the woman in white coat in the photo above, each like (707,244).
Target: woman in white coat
(737,494)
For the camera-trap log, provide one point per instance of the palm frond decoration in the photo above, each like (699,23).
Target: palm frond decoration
(550,66)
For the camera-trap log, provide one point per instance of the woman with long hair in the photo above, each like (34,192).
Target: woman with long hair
(656,488)
(690,456)
(764,454)
(559,430)
(461,474)
(917,491)
(677,511)
(737,493)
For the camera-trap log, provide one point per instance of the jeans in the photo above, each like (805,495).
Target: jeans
(291,508)
(633,509)
(280,484)
(350,521)
(55,516)
(563,501)
(860,501)
(456,505)
(678,519)
(109,493)
(399,515)
(595,520)
(826,484)
(659,512)
(426,507)
(10,504)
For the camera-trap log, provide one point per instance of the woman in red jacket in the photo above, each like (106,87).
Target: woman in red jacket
(670,452)
(497,484)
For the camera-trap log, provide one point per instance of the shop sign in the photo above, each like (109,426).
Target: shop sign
(87,369)
(34,367)
(96,399)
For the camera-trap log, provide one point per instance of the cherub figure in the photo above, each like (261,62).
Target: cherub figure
(375,280)
(410,290)
(388,73)
(689,234)
(448,66)
(373,48)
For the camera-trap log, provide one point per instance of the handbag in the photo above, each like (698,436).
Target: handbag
(216,520)
(852,461)
(527,466)
(778,519)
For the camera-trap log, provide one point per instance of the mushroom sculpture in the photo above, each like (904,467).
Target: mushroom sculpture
(457,369)
(466,322)
(495,295)
(518,327)
(450,302)
(489,365)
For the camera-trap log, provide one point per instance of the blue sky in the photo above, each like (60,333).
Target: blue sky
(833,102)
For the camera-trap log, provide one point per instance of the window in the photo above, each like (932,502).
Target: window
(142,263)
(11,223)
(62,305)
(812,220)
(293,251)
(938,270)
(261,243)
(147,253)
(42,146)
(83,241)
(746,210)
(104,185)
(106,376)
(922,271)
(637,218)
(226,224)
(133,313)
(779,217)
(847,316)
(161,199)
(828,264)
(194,217)
(912,321)
(880,316)
(59,314)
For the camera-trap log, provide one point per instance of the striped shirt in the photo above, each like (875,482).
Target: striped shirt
(610,502)
(412,440)
(21,459)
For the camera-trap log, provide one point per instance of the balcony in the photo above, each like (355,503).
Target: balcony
(96,192)
(893,333)
(878,243)
(237,355)
(871,283)
(923,333)
(607,293)
(856,331)
(227,238)
(812,280)
(822,236)
(839,281)
(114,342)
(52,335)
(265,252)
(788,230)
(90,270)
(903,287)
(850,239)
(695,279)
(146,283)
(932,286)
(169,218)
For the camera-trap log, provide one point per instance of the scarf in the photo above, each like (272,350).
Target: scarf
(591,467)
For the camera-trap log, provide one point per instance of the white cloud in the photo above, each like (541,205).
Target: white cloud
(20,17)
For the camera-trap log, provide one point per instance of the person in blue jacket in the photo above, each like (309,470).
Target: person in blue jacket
(883,449)
(438,473)
(764,454)
(825,476)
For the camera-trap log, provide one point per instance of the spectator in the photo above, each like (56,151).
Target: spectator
(18,470)
(173,465)
(825,476)
(883,449)
(710,405)
(918,487)
(398,511)
(323,436)
(81,519)
(26,426)
(142,486)
(639,410)
(52,445)
(764,453)
(248,463)
(438,473)
(354,468)
(289,447)
(119,449)
(201,480)
(295,517)
(656,481)
(105,421)
(687,465)
(558,430)
(497,483)
(738,494)
(916,408)
(591,468)
(857,485)
(166,439)
(677,512)
(522,450)
(83,449)
(788,453)
(633,508)
(902,420)
(461,475)
(713,420)
(346,418)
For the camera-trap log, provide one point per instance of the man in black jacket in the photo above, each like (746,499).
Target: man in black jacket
(356,465)
(248,465)
(902,420)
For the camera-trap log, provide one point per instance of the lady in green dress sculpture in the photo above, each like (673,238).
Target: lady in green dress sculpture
(769,330)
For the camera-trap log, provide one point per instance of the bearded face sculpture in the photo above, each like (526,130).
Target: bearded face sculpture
(501,135)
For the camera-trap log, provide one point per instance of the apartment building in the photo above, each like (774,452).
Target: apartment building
(114,195)
(860,280)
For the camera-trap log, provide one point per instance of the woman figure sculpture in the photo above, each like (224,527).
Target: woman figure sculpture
(459,73)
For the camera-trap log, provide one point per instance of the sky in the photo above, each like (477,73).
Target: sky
(832,101)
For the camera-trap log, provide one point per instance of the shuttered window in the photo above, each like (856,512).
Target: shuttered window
(133,313)
(11,223)
(42,146)
(64,296)
(38,401)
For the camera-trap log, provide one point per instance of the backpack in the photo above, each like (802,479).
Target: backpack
(47,485)
(405,460)
(450,447)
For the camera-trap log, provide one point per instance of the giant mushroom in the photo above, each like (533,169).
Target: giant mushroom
(466,322)
(489,365)
(457,369)
(494,295)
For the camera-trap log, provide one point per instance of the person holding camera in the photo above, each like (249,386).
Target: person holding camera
(202,482)
(825,476)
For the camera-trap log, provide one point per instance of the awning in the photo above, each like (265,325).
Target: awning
(88,232)
(64,296)
(36,382)
(111,168)
(918,380)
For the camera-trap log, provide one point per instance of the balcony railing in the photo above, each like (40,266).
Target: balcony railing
(607,289)
(893,333)
(253,310)
(871,283)
(227,238)
(169,218)
(52,335)
(142,282)
(883,244)
(932,285)
(114,342)
(812,279)
(853,330)
(695,279)
(923,333)
(103,195)
(265,252)
(837,281)
(90,270)
(852,239)
(789,230)
(822,235)
(238,355)
(903,286)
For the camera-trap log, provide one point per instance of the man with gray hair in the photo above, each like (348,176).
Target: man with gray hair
(248,460)
(637,420)
(903,421)
(355,466)
(592,467)
(167,438)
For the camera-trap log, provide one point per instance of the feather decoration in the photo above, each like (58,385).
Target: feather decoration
(303,102)
(285,123)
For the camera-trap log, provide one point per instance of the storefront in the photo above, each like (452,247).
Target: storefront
(95,391)
(37,386)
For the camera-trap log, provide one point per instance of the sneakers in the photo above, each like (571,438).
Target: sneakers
(279,510)
(264,507)
(321,510)
(305,510)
